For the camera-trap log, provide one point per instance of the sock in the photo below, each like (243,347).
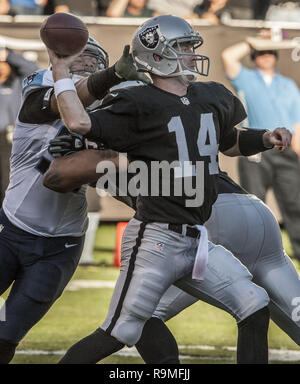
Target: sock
(7,351)
(92,348)
(157,345)
(252,345)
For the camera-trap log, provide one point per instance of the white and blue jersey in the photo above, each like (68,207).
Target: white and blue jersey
(28,204)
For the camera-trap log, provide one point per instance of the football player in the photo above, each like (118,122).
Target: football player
(253,235)
(176,119)
(41,231)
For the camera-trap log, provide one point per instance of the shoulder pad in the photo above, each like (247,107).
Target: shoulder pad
(38,79)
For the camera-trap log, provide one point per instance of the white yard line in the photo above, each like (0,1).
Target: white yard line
(74,285)
(274,354)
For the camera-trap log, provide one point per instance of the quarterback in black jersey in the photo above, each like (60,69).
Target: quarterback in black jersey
(172,120)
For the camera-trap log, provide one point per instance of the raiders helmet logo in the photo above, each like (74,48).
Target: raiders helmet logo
(149,37)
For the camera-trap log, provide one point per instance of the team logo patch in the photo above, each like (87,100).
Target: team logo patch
(31,78)
(159,246)
(149,37)
(185,101)
(1,228)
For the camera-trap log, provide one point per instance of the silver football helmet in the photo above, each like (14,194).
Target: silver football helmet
(92,49)
(164,36)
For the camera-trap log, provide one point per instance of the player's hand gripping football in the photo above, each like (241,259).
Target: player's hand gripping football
(280,138)
(61,64)
(126,68)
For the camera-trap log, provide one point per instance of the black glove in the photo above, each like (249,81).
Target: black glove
(66,144)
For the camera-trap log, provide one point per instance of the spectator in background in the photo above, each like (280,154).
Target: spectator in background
(102,6)
(260,8)
(13,69)
(210,10)
(180,8)
(129,8)
(49,8)
(77,7)
(272,100)
(22,7)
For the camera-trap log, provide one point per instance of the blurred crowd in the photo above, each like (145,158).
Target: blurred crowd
(211,10)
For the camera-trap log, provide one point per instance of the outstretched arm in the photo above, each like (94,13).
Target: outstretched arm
(69,173)
(252,141)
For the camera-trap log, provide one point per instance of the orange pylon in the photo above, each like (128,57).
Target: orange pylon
(119,234)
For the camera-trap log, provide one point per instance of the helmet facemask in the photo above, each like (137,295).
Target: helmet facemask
(180,50)
(84,65)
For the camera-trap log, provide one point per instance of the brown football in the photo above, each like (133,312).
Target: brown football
(63,33)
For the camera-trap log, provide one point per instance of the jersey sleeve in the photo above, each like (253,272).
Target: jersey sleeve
(115,123)
(37,80)
(36,108)
(232,113)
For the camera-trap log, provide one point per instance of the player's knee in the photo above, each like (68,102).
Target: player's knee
(261,299)
(7,351)
(128,331)
(259,320)
(257,299)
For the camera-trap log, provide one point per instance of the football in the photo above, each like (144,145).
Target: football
(63,33)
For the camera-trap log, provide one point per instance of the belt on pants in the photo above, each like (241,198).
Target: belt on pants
(201,258)
(185,230)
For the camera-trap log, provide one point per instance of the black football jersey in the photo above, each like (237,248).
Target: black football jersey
(152,125)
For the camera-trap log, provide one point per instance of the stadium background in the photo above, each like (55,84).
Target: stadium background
(79,311)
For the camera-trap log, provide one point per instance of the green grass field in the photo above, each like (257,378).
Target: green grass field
(79,312)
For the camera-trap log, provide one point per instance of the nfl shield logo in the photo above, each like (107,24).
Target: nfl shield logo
(159,246)
(1,228)
(185,101)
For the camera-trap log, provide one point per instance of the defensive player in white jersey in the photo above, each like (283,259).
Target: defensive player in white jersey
(41,231)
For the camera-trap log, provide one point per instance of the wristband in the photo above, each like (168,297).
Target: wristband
(63,85)
(251,141)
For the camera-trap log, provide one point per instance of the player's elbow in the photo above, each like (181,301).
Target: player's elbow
(80,126)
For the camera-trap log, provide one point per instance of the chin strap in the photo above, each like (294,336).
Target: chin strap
(186,76)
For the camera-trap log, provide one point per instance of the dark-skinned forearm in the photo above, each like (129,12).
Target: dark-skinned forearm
(68,173)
